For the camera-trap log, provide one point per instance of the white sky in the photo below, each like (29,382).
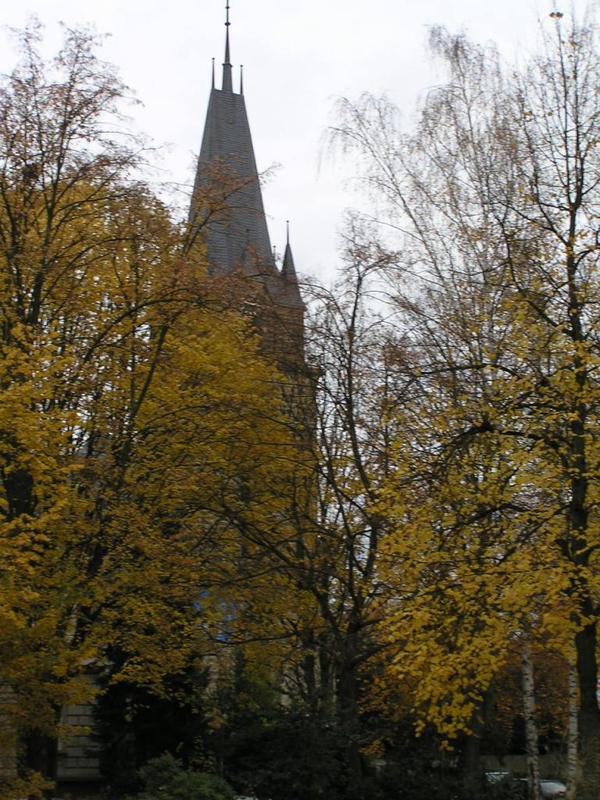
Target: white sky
(298,56)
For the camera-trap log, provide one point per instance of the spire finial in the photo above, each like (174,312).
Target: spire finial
(227,24)
(287,231)
(227,82)
(213,73)
(241,79)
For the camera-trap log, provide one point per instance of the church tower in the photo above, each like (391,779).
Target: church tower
(227,207)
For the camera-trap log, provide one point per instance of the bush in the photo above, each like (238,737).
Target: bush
(164,778)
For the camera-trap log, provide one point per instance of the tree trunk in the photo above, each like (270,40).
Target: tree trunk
(531,734)
(472,768)
(326,679)
(472,763)
(347,703)
(589,714)
(572,732)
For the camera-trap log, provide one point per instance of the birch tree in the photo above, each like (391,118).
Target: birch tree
(496,196)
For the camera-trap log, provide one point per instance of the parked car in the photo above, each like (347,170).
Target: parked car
(502,785)
(550,789)
(497,776)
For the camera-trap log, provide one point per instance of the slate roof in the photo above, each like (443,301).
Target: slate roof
(292,297)
(237,238)
(227,148)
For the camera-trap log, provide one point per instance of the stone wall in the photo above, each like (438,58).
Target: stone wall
(78,748)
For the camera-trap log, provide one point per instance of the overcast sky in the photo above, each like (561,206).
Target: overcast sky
(298,56)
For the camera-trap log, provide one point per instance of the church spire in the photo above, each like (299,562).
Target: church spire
(288,269)
(227,78)
(293,298)
(238,234)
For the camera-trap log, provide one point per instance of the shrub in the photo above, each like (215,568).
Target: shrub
(164,778)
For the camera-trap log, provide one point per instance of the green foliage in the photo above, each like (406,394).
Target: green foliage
(418,777)
(164,778)
(287,756)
